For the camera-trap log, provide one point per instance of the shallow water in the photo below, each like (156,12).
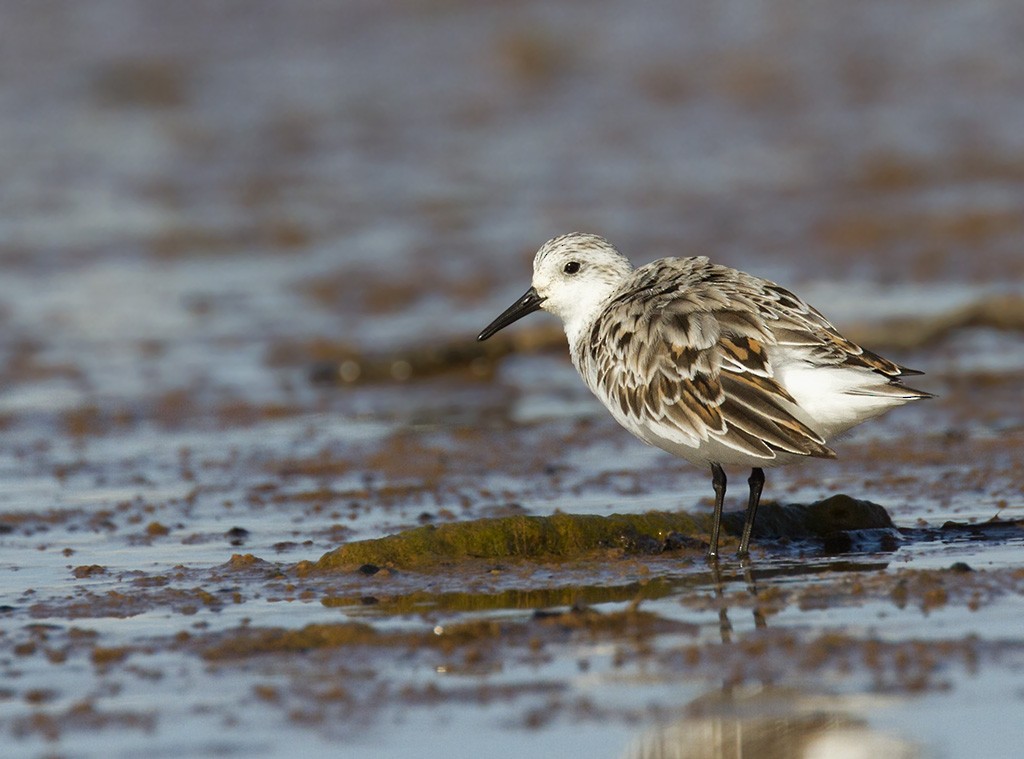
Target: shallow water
(197,199)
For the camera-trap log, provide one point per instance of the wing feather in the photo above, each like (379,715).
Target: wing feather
(687,363)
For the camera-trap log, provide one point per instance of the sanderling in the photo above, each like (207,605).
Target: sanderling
(708,363)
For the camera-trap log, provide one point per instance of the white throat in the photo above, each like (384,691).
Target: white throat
(579,314)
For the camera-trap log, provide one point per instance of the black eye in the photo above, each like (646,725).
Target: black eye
(572,267)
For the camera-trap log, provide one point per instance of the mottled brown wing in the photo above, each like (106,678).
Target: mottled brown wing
(689,366)
(795,323)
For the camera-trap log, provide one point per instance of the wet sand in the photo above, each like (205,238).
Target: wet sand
(211,215)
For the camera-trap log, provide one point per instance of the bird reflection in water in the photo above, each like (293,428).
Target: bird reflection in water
(765,722)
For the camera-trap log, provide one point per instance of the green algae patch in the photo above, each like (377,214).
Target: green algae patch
(574,537)
(560,537)
(576,594)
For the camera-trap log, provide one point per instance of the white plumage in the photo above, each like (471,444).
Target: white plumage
(707,362)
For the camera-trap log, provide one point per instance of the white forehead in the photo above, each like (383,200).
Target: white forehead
(586,247)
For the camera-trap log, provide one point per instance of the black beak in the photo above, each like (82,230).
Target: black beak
(529,303)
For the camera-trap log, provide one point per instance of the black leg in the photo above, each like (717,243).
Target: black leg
(756,483)
(718,483)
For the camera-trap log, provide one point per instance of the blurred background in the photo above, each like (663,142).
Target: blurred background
(379,175)
(199,200)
